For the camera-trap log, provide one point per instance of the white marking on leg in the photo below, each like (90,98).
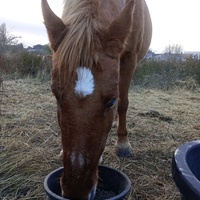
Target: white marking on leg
(123,145)
(85,82)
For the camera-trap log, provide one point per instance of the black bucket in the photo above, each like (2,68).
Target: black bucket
(186,170)
(112,184)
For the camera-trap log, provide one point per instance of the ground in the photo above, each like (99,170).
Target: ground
(158,122)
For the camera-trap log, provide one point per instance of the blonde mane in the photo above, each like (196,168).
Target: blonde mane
(79,43)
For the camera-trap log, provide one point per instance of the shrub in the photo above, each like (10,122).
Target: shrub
(150,73)
(164,74)
(23,64)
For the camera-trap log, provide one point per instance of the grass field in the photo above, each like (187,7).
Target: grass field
(158,122)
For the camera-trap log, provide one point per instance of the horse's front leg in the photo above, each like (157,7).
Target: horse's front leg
(123,147)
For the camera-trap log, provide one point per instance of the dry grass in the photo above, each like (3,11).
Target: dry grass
(158,122)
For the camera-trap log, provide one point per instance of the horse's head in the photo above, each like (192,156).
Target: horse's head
(87,95)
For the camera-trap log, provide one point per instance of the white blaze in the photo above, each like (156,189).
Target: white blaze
(77,159)
(85,82)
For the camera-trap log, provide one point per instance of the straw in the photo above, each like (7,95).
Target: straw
(157,121)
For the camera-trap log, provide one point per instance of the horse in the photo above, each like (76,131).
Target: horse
(96,46)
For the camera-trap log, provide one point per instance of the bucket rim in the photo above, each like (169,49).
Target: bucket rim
(117,197)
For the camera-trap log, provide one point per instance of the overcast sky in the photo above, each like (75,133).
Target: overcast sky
(174,22)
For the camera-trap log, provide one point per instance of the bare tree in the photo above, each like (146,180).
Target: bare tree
(6,38)
(174,49)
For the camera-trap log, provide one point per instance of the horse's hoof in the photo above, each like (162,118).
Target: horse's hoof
(123,149)
(123,152)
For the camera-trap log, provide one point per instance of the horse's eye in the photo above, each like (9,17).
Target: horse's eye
(111,103)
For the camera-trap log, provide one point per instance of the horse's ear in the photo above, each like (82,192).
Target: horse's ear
(53,23)
(114,38)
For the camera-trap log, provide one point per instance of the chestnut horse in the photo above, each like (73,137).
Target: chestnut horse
(96,46)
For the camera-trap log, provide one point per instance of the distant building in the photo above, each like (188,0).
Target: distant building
(36,49)
(150,55)
(192,54)
(171,56)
